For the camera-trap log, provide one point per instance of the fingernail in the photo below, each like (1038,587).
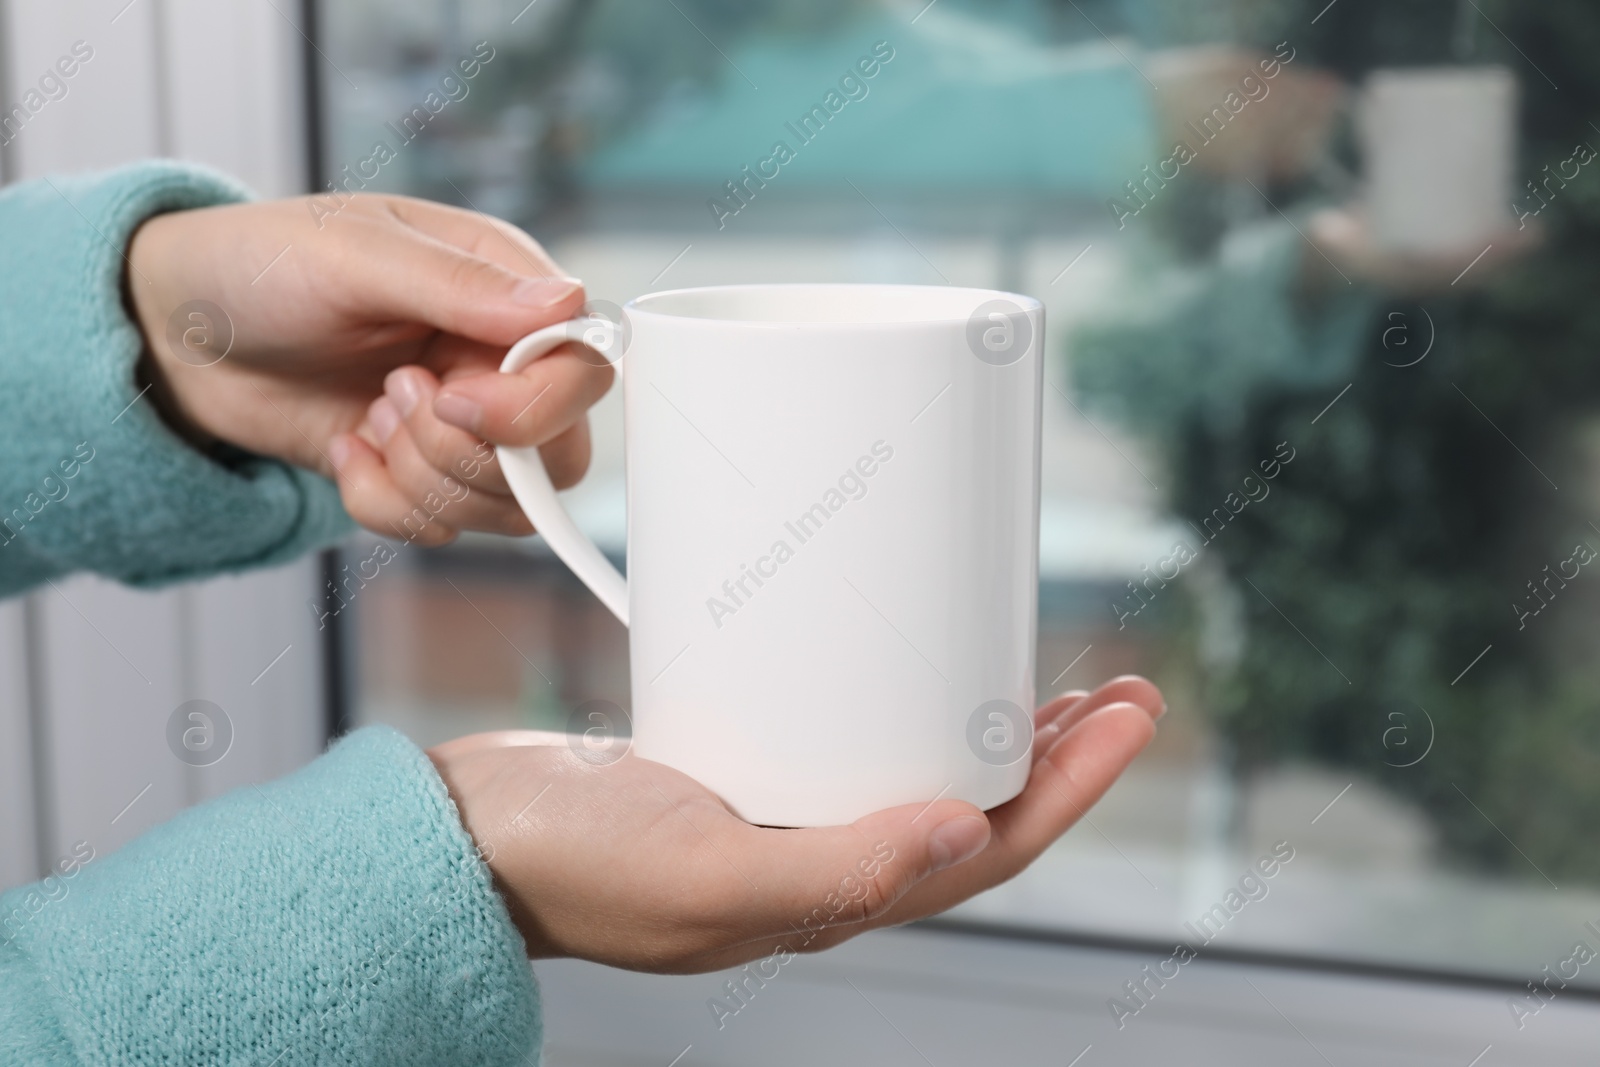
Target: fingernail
(401,388)
(957,841)
(458,410)
(339,451)
(384,419)
(544,292)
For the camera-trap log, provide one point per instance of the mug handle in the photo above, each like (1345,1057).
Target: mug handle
(530,482)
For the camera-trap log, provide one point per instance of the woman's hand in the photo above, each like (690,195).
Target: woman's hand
(366,345)
(1283,128)
(1344,247)
(635,865)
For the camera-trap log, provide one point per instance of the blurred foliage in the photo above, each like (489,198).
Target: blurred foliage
(1408,526)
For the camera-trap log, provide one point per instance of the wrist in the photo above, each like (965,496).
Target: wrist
(483,786)
(150,378)
(158,366)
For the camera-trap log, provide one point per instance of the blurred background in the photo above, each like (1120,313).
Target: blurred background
(1320,457)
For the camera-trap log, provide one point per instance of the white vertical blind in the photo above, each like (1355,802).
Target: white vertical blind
(91,684)
(18,830)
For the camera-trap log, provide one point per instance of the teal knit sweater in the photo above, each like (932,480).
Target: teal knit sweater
(340,916)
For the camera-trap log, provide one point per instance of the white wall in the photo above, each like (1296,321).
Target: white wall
(91,673)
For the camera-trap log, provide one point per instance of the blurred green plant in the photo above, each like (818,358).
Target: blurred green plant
(1402,535)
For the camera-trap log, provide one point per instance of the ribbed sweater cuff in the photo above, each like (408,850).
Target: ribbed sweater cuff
(145,507)
(339,916)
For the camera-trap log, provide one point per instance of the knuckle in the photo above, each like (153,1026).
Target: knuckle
(468,272)
(877,897)
(414,477)
(434,441)
(869,901)
(432,484)
(471,461)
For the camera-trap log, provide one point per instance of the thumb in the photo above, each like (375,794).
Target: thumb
(815,879)
(407,276)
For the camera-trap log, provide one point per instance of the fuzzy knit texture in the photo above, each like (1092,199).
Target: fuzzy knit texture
(140,505)
(339,916)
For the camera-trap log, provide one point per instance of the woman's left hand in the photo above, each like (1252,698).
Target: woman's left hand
(632,864)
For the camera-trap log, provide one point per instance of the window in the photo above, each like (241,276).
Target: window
(1320,450)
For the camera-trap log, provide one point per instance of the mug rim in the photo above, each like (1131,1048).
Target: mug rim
(641,305)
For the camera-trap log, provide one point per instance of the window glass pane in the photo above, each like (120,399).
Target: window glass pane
(1320,453)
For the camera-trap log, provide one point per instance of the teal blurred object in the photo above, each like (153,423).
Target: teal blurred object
(962,105)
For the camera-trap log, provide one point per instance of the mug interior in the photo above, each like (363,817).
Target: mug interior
(826,303)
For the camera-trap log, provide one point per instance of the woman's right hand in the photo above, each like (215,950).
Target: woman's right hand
(1285,123)
(365,344)
(632,864)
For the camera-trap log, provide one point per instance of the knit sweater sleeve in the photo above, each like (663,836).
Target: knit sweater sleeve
(339,916)
(91,478)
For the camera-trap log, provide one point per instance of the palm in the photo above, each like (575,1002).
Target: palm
(633,864)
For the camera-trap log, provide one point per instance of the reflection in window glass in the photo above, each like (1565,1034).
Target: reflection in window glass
(1320,454)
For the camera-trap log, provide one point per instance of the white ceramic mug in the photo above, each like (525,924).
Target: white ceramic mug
(833,515)
(1439,144)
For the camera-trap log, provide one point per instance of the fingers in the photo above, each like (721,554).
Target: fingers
(816,879)
(440,494)
(396,273)
(1048,712)
(1074,773)
(391,488)
(531,407)
(566,458)
(493,239)
(446,448)
(451,451)
(1061,714)
(373,499)
(942,854)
